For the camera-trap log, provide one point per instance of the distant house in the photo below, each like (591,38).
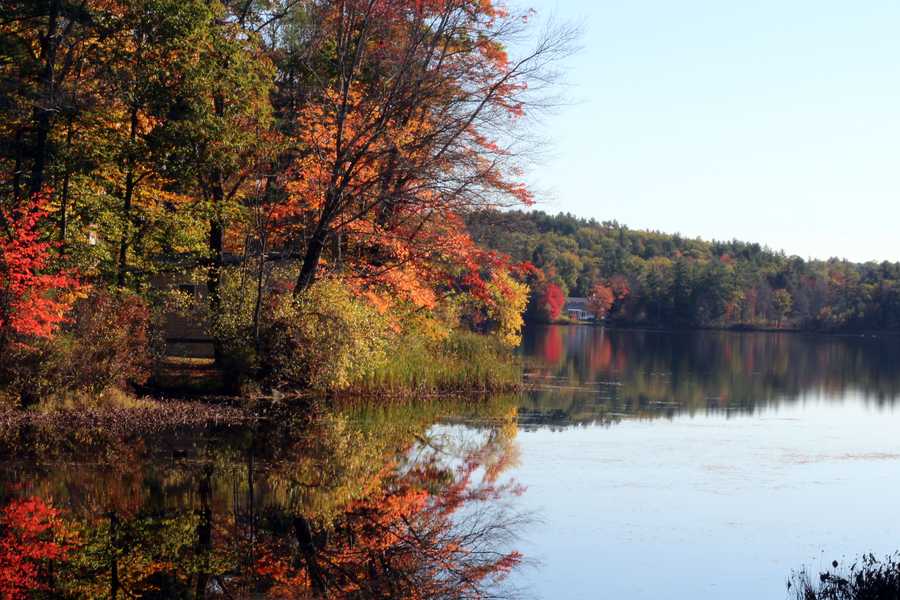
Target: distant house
(578,309)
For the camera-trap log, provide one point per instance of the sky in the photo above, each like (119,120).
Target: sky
(771,121)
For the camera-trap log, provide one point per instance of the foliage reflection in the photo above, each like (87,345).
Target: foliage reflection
(364,503)
(590,374)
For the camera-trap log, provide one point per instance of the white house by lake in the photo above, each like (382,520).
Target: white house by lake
(578,309)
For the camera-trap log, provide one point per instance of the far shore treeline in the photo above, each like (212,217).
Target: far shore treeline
(655,279)
(306,165)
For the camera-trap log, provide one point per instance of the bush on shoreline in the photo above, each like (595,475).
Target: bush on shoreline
(330,339)
(866,579)
(108,343)
(324,340)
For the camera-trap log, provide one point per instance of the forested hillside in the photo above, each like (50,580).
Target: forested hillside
(647,277)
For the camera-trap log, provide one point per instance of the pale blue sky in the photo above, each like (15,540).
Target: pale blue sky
(775,121)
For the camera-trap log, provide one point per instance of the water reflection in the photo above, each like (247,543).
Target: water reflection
(419,501)
(733,459)
(350,504)
(595,375)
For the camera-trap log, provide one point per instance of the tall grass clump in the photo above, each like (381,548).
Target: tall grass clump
(867,579)
(461,362)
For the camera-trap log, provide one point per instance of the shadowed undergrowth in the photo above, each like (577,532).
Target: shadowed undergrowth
(76,427)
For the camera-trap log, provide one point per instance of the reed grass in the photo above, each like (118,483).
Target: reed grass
(464,363)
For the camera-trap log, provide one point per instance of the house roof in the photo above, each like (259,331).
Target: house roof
(574,303)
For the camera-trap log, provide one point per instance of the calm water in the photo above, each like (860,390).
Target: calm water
(639,465)
(706,465)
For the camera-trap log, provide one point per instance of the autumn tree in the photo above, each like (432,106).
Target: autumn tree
(44,44)
(131,110)
(552,301)
(605,295)
(35,294)
(620,287)
(146,75)
(405,125)
(601,300)
(230,144)
(782,303)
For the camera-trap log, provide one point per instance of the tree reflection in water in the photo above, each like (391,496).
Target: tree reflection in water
(370,503)
(582,374)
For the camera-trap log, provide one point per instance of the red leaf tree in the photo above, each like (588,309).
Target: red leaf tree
(605,294)
(35,294)
(552,301)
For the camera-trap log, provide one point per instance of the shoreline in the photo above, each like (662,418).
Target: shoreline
(727,329)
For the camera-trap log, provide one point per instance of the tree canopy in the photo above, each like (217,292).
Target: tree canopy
(674,281)
(350,138)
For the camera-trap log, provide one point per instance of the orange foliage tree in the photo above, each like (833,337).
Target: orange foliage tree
(403,132)
(605,295)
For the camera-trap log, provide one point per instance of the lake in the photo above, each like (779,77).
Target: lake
(706,464)
(637,465)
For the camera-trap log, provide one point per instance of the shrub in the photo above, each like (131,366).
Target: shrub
(497,309)
(112,343)
(107,344)
(509,299)
(867,579)
(28,372)
(233,329)
(324,340)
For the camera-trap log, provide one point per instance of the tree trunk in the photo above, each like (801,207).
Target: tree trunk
(17,168)
(311,259)
(260,279)
(126,204)
(217,190)
(214,273)
(216,235)
(44,109)
(64,199)
(262,225)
